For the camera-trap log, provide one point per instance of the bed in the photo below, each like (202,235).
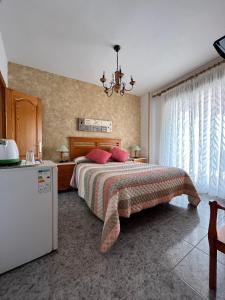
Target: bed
(115,190)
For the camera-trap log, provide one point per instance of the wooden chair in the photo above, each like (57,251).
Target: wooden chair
(216,242)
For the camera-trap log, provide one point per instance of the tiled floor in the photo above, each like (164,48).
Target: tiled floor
(162,253)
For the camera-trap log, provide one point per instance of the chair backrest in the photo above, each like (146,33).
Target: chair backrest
(212,232)
(214,235)
(216,242)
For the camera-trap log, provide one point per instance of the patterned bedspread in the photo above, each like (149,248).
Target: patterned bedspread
(119,189)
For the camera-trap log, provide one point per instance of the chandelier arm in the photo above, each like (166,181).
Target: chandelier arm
(128,90)
(109,95)
(105,86)
(111,85)
(121,92)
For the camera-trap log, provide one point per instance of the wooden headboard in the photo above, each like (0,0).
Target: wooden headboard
(80,146)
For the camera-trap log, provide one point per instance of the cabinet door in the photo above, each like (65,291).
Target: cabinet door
(24,122)
(2,107)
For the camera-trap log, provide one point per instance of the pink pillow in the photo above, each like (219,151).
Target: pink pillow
(119,154)
(99,156)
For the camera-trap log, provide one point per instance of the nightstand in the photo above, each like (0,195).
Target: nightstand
(65,172)
(139,159)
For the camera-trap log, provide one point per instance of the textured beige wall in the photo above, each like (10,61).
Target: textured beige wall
(64,100)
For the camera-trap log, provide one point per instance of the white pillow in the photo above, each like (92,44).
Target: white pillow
(81,159)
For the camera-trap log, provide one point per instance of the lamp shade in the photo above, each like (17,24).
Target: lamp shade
(136,148)
(62,148)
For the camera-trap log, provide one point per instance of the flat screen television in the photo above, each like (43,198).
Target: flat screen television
(220,46)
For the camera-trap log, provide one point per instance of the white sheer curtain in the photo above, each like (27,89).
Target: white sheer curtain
(156,105)
(193,130)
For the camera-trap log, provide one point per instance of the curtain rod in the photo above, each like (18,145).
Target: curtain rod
(188,78)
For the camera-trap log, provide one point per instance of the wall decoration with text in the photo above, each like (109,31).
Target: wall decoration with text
(94,125)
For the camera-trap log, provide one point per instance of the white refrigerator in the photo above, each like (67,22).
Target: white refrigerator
(28,213)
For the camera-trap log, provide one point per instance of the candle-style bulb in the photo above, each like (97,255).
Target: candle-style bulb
(132,82)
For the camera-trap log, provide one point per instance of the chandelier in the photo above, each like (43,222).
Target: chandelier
(116,84)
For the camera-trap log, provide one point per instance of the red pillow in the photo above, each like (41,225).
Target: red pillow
(119,154)
(99,156)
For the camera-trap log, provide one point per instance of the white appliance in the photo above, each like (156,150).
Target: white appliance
(28,213)
(9,153)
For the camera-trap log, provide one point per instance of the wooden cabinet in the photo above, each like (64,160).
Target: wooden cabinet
(65,172)
(24,122)
(2,106)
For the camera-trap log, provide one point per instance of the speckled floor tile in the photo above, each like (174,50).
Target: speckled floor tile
(204,246)
(169,287)
(173,248)
(187,228)
(154,257)
(201,215)
(194,270)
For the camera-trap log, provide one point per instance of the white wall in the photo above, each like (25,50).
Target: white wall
(144,126)
(3,61)
(150,127)
(155,128)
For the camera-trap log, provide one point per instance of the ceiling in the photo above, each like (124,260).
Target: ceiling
(161,40)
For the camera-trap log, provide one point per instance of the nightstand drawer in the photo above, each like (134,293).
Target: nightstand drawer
(65,169)
(65,172)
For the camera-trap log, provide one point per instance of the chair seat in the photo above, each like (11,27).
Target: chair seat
(221,234)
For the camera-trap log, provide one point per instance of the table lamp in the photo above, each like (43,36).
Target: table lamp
(136,149)
(62,149)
